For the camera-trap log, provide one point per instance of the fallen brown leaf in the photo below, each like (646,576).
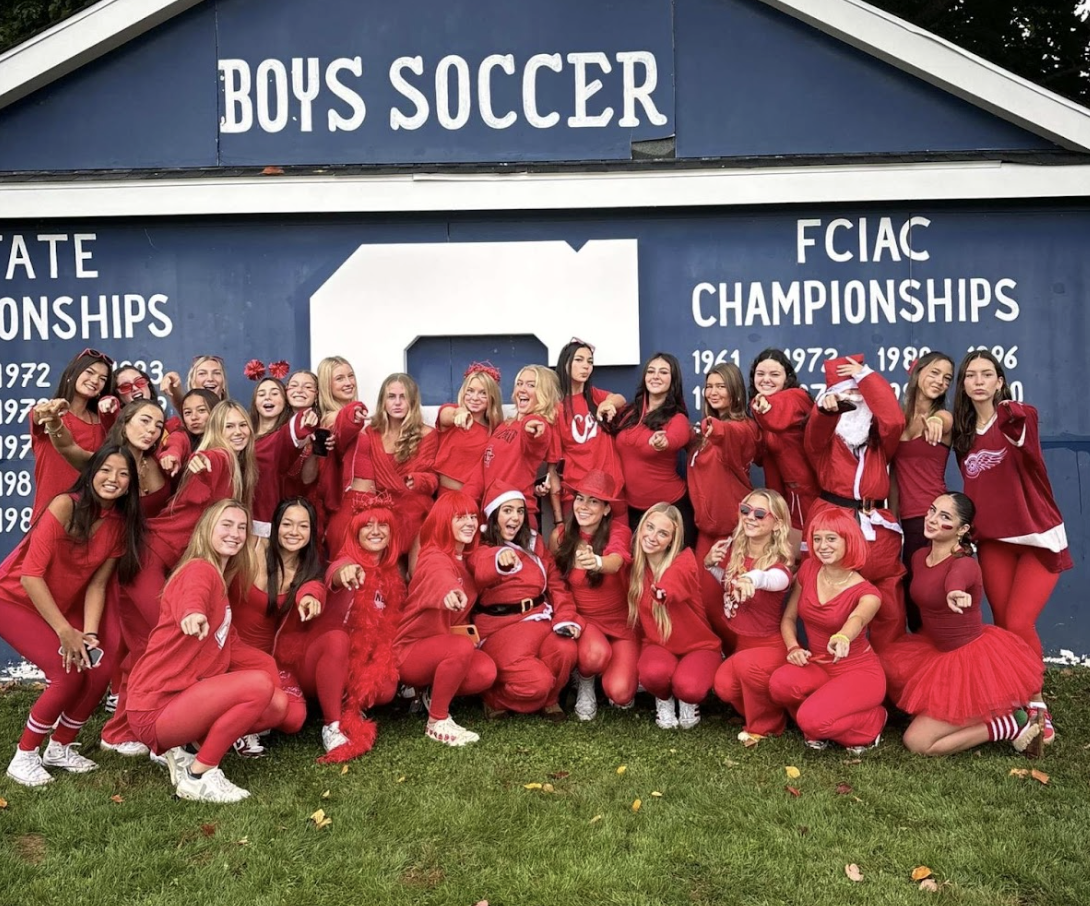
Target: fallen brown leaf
(325,795)
(842,789)
(622,769)
(1019,772)
(320,820)
(750,741)
(245,841)
(400,779)
(531,786)
(853,872)
(344,770)
(3,802)
(118,798)
(209,830)
(803,830)
(560,775)
(794,791)
(273,171)
(853,761)
(1040,776)
(929,885)
(920,872)
(595,819)
(655,794)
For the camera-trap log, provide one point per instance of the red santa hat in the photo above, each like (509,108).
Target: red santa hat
(499,493)
(834,383)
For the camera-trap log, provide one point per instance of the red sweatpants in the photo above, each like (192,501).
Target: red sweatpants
(68,697)
(1018,586)
(885,571)
(686,678)
(711,593)
(614,660)
(451,665)
(837,702)
(533,664)
(742,682)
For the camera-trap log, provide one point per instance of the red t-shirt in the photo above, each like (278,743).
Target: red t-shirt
(584,446)
(459,451)
(718,474)
(607,605)
(921,475)
(513,456)
(650,475)
(52,473)
(690,629)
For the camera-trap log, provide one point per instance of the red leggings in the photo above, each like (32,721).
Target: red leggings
(742,682)
(324,671)
(614,660)
(69,697)
(533,664)
(451,665)
(838,702)
(687,678)
(711,593)
(885,570)
(216,711)
(1018,586)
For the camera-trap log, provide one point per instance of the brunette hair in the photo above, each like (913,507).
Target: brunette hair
(197,362)
(964,431)
(436,530)
(546,392)
(912,388)
(66,384)
(834,519)
(147,377)
(309,374)
(492,535)
(326,401)
(210,400)
(493,415)
(240,566)
(965,510)
(791,378)
(779,550)
(569,543)
(635,412)
(285,414)
(87,509)
(118,434)
(412,427)
(640,564)
(243,463)
(563,375)
(309,567)
(736,391)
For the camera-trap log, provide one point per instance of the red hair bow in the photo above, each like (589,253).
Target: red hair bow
(376,501)
(483,368)
(254,370)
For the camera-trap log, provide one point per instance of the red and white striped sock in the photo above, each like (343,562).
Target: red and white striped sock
(33,734)
(67,730)
(1008,726)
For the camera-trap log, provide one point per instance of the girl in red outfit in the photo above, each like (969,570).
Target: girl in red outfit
(718,475)
(279,433)
(780,406)
(133,384)
(964,682)
(584,446)
(1023,542)
(522,445)
(140,428)
(918,470)
(432,647)
(342,415)
(752,570)
(183,439)
(465,427)
(394,456)
(367,602)
(195,681)
(649,433)
(525,614)
(53,586)
(680,652)
(835,695)
(69,419)
(207,372)
(593,550)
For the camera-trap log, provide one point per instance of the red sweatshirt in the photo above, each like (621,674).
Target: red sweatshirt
(690,629)
(514,456)
(718,474)
(170,531)
(424,615)
(650,475)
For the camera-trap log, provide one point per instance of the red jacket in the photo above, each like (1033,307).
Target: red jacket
(424,615)
(718,474)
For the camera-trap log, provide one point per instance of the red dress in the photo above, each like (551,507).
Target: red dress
(958,669)
(605,607)
(650,475)
(52,473)
(786,465)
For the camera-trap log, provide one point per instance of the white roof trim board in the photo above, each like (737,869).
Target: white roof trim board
(287,195)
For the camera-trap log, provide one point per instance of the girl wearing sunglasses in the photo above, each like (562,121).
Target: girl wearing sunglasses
(752,570)
(133,384)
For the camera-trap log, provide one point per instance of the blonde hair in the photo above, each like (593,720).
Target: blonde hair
(197,362)
(546,392)
(240,567)
(779,550)
(412,427)
(640,564)
(493,415)
(326,367)
(244,479)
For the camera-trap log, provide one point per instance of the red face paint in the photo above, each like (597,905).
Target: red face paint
(946,526)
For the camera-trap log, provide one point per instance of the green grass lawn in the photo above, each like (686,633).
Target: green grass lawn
(414,822)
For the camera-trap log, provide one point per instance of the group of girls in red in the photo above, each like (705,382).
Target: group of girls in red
(221,568)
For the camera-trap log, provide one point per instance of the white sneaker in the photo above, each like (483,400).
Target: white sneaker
(665,714)
(625,707)
(688,716)
(67,758)
(586,702)
(130,748)
(449,733)
(177,761)
(26,768)
(249,746)
(818,745)
(332,736)
(859,750)
(211,786)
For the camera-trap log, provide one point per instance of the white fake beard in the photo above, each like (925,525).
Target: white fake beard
(854,427)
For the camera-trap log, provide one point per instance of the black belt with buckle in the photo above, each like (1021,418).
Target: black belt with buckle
(865,505)
(505,610)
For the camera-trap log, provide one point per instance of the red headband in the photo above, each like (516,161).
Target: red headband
(255,369)
(483,368)
(380,500)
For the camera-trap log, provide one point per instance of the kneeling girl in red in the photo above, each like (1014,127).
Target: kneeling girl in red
(53,586)
(836,693)
(753,571)
(593,550)
(188,686)
(680,652)
(964,682)
(525,615)
(433,646)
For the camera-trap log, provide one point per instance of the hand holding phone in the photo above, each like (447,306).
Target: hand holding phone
(321,439)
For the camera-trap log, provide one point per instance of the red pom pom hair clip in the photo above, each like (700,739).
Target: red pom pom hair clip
(483,368)
(279,369)
(255,369)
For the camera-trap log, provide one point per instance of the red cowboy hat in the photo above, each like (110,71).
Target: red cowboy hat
(596,483)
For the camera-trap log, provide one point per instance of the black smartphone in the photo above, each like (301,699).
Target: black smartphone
(845,406)
(321,437)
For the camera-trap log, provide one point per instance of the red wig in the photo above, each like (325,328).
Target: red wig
(834,519)
(437,529)
(380,509)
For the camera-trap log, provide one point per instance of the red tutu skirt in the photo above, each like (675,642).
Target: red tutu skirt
(986,678)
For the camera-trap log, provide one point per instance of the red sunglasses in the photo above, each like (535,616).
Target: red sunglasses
(758,513)
(97,355)
(129,386)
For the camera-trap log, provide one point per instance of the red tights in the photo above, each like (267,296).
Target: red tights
(614,660)
(324,672)
(742,682)
(451,665)
(837,702)
(69,698)
(1018,586)
(686,678)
